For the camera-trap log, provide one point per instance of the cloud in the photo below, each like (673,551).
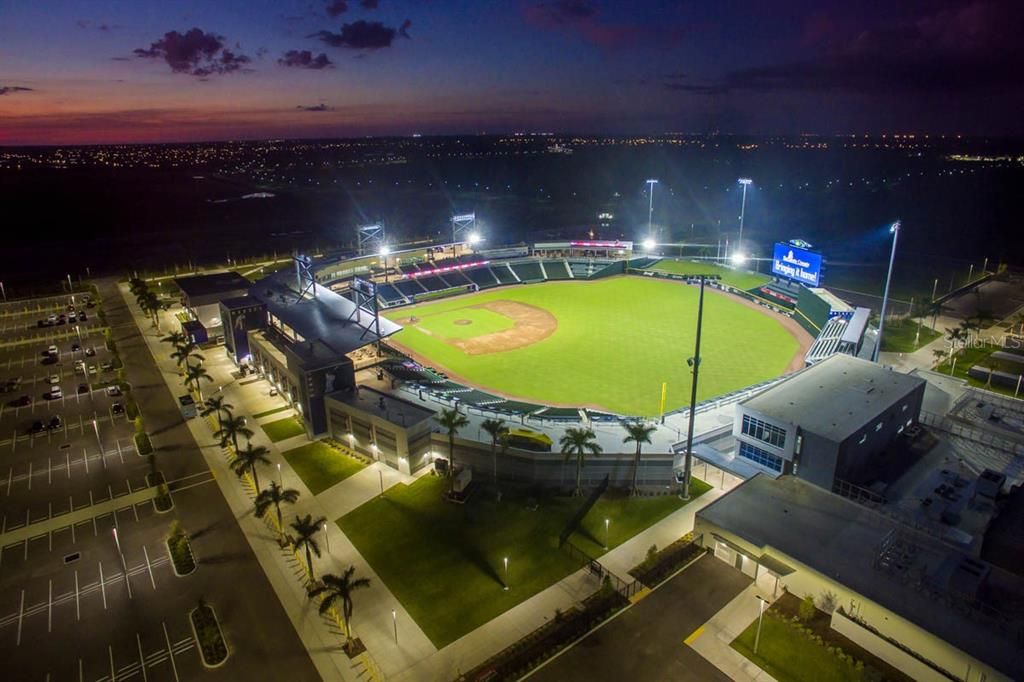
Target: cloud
(582,17)
(315,107)
(968,48)
(194,52)
(336,8)
(12,89)
(304,59)
(364,35)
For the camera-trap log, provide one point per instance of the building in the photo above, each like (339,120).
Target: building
(201,296)
(828,422)
(902,592)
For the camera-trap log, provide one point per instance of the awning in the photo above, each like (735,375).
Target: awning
(775,566)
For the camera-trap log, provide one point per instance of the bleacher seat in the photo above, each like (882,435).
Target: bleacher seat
(433,283)
(457,278)
(409,287)
(556,269)
(504,275)
(528,271)
(483,277)
(389,293)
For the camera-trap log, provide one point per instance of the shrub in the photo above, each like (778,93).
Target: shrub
(652,552)
(827,601)
(807,608)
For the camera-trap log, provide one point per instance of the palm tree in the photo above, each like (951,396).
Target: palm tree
(192,376)
(175,339)
(638,432)
(305,528)
(954,335)
(275,495)
(185,351)
(230,429)
(247,459)
(579,443)
(1019,321)
(451,420)
(939,353)
(217,404)
(337,588)
(497,430)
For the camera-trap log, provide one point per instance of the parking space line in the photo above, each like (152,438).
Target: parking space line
(142,658)
(170,652)
(67,457)
(103,586)
(78,606)
(85,458)
(30,474)
(49,471)
(21,614)
(113,672)
(149,566)
(81,671)
(49,609)
(10,479)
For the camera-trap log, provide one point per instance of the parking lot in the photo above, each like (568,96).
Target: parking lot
(61,317)
(105,592)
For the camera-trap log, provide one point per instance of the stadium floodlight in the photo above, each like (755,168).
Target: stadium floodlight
(385,250)
(475,238)
(738,258)
(745,182)
(650,206)
(650,244)
(894,230)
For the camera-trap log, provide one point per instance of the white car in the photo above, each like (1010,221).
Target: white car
(52,350)
(55,393)
(54,379)
(80,366)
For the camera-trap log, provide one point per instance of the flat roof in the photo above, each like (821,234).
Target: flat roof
(240,302)
(841,539)
(857,325)
(321,320)
(197,286)
(834,398)
(396,410)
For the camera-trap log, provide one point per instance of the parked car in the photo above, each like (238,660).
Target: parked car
(41,323)
(80,366)
(114,391)
(117,409)
(21,402)
(37,427)
(82,317)
(92,370)
(107,366)
(90,351)
(53,350)
(72,317)
(54,379)
(71,308)
(55,422)
(52,319)
(56,393)
(83,388)
(75,348)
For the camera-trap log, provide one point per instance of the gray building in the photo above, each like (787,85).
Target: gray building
(201,296)
(828,422)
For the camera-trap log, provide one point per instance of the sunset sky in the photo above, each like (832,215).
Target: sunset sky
(105,71)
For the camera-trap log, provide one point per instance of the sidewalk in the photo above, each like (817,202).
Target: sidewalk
(712,639)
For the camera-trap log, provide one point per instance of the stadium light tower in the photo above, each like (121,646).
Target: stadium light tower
(745,182)
(474,238)
(694,364)
(463,224)
(650,207)
(895,230)
(650,244)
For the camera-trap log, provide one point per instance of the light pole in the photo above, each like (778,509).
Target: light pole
(650,207)
(607,522)
(895,230)
(970,273)
(70,285)
(3,291)
(327,539)
(280,482)
(745,182)
(506,574)
(394,621)
(935,286)
(96,428)
(760,617)
(694,363)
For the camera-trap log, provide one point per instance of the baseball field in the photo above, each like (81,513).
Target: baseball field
(607,344)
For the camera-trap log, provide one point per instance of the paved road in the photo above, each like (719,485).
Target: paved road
(646,642)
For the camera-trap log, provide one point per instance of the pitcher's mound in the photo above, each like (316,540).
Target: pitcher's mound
(462,323)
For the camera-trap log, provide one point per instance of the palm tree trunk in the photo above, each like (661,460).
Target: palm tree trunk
(309,562)
(451,454)
(636,467)
(255,477)
(280,521)
(579,470)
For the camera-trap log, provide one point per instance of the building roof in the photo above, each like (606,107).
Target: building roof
(841,540)
(238,302)
(203,286)
(834,398)
(322,321)
(857,326)
(391,408)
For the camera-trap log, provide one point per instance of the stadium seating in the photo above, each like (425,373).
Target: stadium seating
(556,269)
(409,287)
(528,271)
(483,277)
(408,268)
(457,278)
(390,294)
(504,273)
(433,283)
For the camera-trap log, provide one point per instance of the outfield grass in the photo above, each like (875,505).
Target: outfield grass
(617,340)
(899,337)
(740,279)
(444,561)
(320,466)
(283,428)
(788,656)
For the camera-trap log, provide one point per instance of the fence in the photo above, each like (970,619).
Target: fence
(976,434)
(597,569)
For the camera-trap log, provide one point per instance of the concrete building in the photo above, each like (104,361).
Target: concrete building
(902,593)
(827,422)
(241,315)
(201,296)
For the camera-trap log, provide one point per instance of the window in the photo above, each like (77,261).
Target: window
(766,433)
(863,438)
(756,454)
(878,426)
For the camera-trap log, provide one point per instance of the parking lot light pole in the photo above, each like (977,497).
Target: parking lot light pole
(279,481)
(3,291)
(506,574)
(327,538)
(99,443)
(895,230)
(606,523)
(394,621)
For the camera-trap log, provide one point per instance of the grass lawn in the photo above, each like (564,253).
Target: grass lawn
(788,656)
(283,428)
(899,337)
(320,466)
(740,279)
(617,340)
(444,561)
(968,357)
(267,413)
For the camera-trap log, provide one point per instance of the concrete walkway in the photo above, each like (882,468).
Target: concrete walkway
(711,640)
